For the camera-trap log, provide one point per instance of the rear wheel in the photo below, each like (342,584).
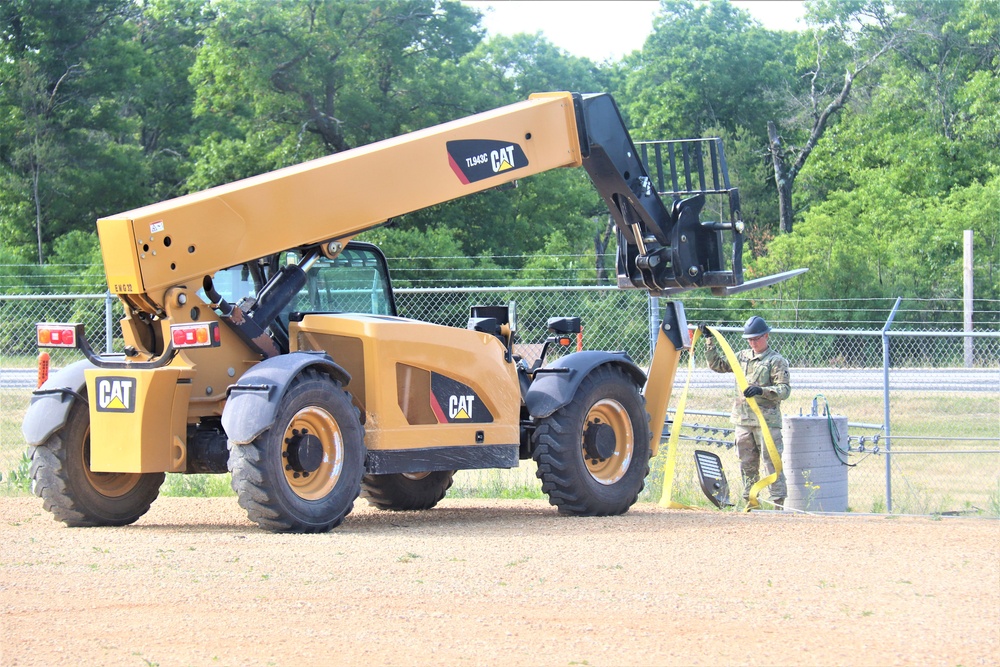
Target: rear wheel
(304,473)
(593,453)
(75,494)
(407,491)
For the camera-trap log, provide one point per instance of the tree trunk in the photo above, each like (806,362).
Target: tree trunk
(786,169)
(38,210)
(601,240)
(782,179)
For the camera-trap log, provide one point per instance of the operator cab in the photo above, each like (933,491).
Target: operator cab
(354,280)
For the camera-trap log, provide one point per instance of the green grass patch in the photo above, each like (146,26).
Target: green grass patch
(16,481)
(942,483)
(200,486)
(20,361)
(511,484)
(14,461)
(58,358)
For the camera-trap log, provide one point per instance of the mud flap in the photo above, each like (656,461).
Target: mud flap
(51,403)
(712,478)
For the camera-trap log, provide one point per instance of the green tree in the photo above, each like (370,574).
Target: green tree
(432,257)
(514,224)
(709,69)
(281,83)
(169,34)
(704,65)
(893,184)
(850,37)
(507,69)
(62,151)
(95,111)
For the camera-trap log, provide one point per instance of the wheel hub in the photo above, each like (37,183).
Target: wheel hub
(305,452)
(599,441)
(608,441)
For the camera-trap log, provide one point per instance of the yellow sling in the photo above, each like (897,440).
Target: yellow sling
(742,384)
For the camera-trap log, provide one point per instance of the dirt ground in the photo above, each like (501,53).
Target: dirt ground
(498,583)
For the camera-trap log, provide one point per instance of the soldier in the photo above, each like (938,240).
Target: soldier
(767,374)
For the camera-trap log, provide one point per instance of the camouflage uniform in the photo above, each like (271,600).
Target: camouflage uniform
(769,370)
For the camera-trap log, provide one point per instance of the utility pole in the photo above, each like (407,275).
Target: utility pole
(967,294)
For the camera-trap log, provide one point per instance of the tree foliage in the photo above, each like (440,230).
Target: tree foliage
(280,83)
(885,125)
(58,77)
(705,65)
(513,224)
(894,184)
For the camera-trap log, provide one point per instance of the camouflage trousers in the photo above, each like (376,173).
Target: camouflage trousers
(750,443)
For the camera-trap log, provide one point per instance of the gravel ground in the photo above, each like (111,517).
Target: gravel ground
(482,582)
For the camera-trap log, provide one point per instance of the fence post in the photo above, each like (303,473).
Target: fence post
(885,405)
(967,288)
(108,327)
(653,304)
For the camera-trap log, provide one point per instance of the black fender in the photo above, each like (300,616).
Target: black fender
(50,404)
(253,401)
(553,388)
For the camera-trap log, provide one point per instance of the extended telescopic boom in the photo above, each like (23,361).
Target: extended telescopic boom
(662,247)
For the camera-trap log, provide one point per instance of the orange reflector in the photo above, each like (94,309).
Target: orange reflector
(43,368)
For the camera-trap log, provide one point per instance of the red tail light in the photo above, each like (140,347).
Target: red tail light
(204,334)
(58,335)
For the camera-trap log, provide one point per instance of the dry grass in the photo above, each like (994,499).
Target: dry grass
(921,484)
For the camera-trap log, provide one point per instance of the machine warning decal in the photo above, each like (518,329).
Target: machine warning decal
(454,402)
(476,159)
(115,394)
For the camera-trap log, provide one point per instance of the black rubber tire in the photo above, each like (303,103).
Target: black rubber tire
(584,486)
(61,477)
(274,496)
(406,493)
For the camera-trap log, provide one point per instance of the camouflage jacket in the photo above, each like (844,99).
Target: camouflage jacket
(768,371)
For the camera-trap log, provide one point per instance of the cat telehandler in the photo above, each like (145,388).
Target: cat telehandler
(260,340)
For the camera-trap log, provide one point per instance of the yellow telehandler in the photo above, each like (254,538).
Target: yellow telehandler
(260,340)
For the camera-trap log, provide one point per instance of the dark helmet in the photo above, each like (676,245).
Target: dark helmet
(755,326)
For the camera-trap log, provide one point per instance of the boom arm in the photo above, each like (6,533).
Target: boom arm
(150,249)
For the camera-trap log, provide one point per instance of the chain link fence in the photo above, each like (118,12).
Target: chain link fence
(923,406)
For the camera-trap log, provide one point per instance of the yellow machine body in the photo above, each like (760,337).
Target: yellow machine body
(418,384)
(155,258)
(138,419)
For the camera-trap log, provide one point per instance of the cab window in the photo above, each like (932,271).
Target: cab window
(356,281)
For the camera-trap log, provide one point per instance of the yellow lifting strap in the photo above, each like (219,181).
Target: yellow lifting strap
(675,430)
(742,384)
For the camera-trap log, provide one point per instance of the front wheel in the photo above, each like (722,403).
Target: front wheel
(593,453)
(407,491)
(304,473)
(75,494)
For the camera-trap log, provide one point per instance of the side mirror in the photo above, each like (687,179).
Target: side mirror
(564,325)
